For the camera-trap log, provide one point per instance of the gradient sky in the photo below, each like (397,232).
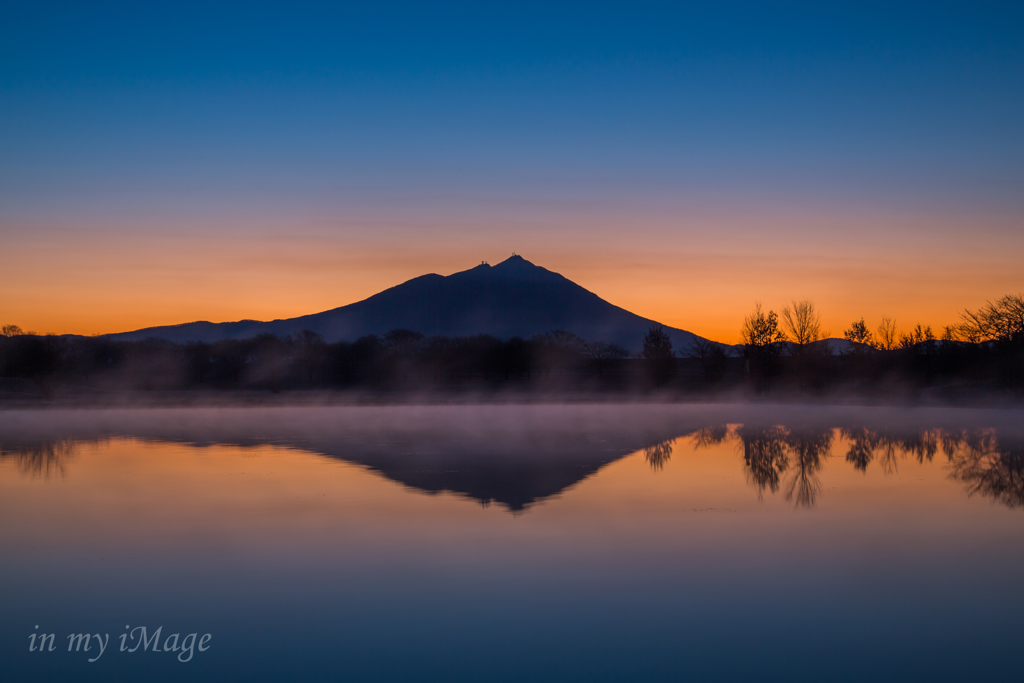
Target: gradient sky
(161,164)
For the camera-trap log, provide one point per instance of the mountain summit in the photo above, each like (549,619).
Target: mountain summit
(515,298)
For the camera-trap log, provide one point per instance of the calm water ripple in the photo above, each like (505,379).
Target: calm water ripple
(508,543)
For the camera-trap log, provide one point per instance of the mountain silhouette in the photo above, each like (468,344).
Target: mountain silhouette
(514,476)
(514,457)
(512,299)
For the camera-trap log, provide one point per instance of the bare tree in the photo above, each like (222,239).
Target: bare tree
(803,322)
(1002,320)
(887,337)
(10,331)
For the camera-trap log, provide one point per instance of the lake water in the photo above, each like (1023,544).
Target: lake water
(513,543)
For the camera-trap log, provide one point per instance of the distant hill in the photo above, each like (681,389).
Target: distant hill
(512,299)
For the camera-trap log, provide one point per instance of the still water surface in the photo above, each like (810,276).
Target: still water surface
(512,543)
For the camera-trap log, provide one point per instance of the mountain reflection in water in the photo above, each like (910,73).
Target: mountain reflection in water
(535,458)
(510,543)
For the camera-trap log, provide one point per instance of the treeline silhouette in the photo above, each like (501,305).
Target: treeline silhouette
(985,351)
(775,458)
(790,459)
(399,360)
(779,355)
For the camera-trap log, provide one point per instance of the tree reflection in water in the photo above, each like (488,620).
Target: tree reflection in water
(867,445)
(44,459)
(764,453)
(988,465)
(808,449)
(710,436)
(863,443)
(770,452)
(984,462)
(775,458)
(659,454)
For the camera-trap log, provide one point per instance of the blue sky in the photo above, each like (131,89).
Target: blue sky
(137,118)
(411,98)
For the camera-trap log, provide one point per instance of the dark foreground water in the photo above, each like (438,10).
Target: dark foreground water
(504,543)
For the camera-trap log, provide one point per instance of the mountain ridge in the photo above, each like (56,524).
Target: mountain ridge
(514,298)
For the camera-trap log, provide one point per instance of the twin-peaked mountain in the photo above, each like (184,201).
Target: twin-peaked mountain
(512,299)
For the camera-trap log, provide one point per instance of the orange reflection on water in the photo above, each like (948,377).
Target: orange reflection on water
(685,502)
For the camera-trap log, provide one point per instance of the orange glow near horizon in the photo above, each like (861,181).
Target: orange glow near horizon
(701,274)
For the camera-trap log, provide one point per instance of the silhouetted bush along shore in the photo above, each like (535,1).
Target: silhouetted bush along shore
(403,362)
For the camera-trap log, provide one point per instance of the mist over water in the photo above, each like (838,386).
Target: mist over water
(505,542)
